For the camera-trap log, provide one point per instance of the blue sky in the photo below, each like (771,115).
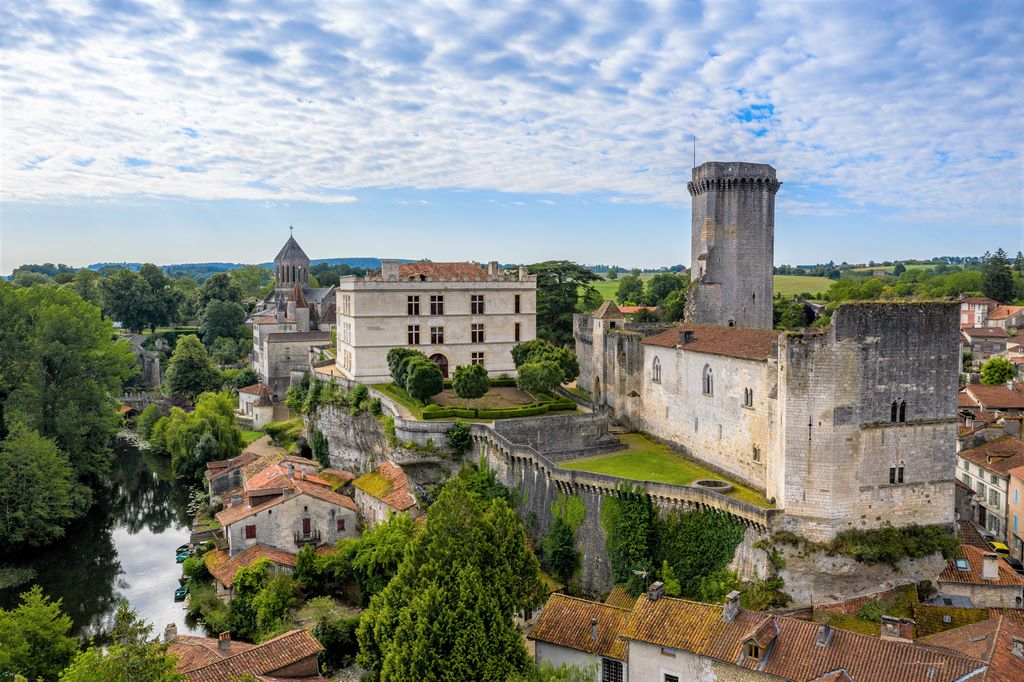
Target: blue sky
(175,132)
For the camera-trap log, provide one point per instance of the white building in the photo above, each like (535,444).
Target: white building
(456,313)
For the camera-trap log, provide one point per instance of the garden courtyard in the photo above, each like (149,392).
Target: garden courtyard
(646,460)
(495,398)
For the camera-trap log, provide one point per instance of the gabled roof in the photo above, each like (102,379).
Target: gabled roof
(1005,311)
(984,332)
(608,311)
(998,455)
(223,568)
(980,300)
(243,511)
(269,657)
(736,342)
(999,397)
(291,252)
(196,652)
(566,621)
(276,477)
(297,297)
(438,272)
(389,484)
(990,641)
(620,598)
(975,557)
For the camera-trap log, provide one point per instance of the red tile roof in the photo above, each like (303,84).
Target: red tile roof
(195,652)
(276,477)
(990,641)
(397,495)
(269,657)
(999,397)
(736,342)
(631,309)
(985,332)
(242,511)
(969,534)
(223,568)
(975,559)
(979,299)
(1005,311)
(566,621)
(438,272)
(998,455)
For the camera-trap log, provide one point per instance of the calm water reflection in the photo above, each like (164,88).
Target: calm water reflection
(124,548)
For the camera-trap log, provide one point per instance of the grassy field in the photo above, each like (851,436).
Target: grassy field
(787,285)
(646,460)
(889,268)
(251,436)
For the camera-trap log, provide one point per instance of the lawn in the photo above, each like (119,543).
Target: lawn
(889,268)
(646,460)
(249,437)
(496,397)
(787,285)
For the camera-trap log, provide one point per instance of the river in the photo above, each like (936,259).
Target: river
(122,549)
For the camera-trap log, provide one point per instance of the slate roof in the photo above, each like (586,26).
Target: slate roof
(998,455)
(396,495)
(566,620)
(975,559)
(990,641)
(291,252)
(736,342)
(223,568)
(999,397)
(268,657)
(288,337)
(297,297)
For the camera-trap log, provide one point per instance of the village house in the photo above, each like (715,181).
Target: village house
(983,342)
(383,492)
(225,478)
(288,510)
(1015,512)
(456,313)
(974,310)
(665,639)
(1007,399)
(256,405)
(290,656)
(223,567)
(1006,317)
(986,469)
(982,577)
(997,642)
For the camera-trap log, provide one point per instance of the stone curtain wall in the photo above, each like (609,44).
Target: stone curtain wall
(560,437)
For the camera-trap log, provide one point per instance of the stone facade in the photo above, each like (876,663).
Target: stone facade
(649,662)
(277,525)
(456,313)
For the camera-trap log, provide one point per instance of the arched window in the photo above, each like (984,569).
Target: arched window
(748,397)
(903,410)
(656,370)
(709,381)
(896,473)
(893,411)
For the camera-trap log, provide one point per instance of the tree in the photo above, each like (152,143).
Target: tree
(669,580)
(997,371)
(88,285)
(539,350)
(613,273)
(521,352)
(631,290)
(126,295)
(239,378)
(191,371)
(27,278)
(898,269)
(539,378)
(789,314)
(226,350)
(273,602)
(1018,262)
(560,553)
(447,613)
(459,438)
(423,379)
(396,362)
(380,553)
(997,277)
(471,381)
(673,307)
(661,285)
(222,319)
(37,489)
(210,432)
(251,280)
(162,299)
(34,639)
(219,287)
(558,290)
(249,582)
(132,655)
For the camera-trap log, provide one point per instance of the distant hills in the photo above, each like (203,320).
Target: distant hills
(368,263)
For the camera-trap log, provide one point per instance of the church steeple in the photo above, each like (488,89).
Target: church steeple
(291,265)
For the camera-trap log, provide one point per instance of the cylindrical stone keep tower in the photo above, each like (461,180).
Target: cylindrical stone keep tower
(733,244)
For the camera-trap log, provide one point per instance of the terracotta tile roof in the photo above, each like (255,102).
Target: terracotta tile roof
(241,511)
(324,493)
(632,309)
(998,455)
(336,478)
(1018,472)
(736,342)
(276,476)
(223,568)
(975,559)
(195,652)
(964,400)
(620,598)
(224,466)
(393,490)
(608,311)
(438,272)
(566,621)
(999,397)
(984,332)
(251,390)
(979,299)
(270,656)
(1005,311)
(990,641)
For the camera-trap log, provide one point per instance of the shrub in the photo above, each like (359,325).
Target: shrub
(148,418)
(337,635)
(871,610)
(398,363)
(194,569)
(423,379)
(470,381)
(888,545)
(285,433)
(459,439)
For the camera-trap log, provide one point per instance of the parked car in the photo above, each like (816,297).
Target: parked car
(999,548)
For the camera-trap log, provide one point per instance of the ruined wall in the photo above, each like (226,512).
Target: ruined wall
(837,442)
(732,244)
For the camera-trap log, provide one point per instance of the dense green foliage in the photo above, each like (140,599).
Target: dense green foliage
(539,378)
(252,280)
(629,524)
(789,314)
(630,291)
(59,371)
(470,382)
(423,379)
(888,544)
(310,394)
(208,433)
(997,371)
(191,371)
(447,614)
(131,655)
(223,320)
(397,365)
(673,307)
(997,277)
(239,378)
(559,286)
(140,299)
(539,350)
(459,439)
(560,556)
(219,287)
(337,634)
(38,490)
(34,639)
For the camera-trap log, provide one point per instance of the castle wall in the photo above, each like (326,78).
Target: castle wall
(838,443)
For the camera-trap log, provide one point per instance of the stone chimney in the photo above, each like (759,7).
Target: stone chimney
(1011,384)
(170,632)
(990,566)
(388,270)
(492,269)
(731,608)
(523,273)
(224,641)
(824,636)
(291,470)
(656,590)
(593,629)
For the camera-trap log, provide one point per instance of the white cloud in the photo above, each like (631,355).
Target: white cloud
(914,109)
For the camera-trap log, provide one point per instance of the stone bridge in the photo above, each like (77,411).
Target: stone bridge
(140,400)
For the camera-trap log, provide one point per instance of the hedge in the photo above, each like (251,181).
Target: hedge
(438,412)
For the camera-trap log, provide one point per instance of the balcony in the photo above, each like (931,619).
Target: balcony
(310,538)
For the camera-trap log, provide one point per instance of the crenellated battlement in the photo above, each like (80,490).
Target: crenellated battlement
(744,184)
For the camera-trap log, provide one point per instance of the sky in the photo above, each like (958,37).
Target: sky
(514,131)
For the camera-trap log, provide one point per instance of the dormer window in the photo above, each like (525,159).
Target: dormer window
(752,650)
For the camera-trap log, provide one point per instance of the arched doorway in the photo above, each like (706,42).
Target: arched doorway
(441,362)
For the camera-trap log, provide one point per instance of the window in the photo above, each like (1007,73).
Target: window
(748,397)
(962,565)
(414,335)
(980,488)
(250,532)
(476,358)
(966,479)
(1016,499)
(1015,524)
(671,678)
(341,524)
(709,381)
(346,360)
(346,304)
(893,411)
(477,333)
(476,304)
(993,479)
(903,411)
(895,475)
(517,303)
(412,305)
(611,671)
(752,650)
(517,332)
(757,454)
(656,370)
(437,335)
(346,332)
(966,464)
(437,305)
(993,497)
